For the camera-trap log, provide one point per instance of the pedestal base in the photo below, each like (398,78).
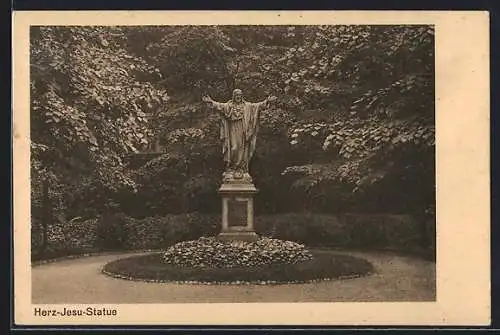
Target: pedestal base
(247,236)
(237,211)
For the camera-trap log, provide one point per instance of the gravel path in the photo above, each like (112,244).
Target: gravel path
(80,281)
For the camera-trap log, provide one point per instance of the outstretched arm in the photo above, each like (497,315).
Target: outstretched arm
(266,102)
(213,103)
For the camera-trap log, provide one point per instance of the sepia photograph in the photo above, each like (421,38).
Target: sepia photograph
(231,163)
(285,156)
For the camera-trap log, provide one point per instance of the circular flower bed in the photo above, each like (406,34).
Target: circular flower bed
(208,252)
(324,265)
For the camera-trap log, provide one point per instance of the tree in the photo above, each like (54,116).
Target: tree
(355,110)
(383,121)
(90,102)
(356,102)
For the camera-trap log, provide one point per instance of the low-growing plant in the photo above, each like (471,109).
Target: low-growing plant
(211,252)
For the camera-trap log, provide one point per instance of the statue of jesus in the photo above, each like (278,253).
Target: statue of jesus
(238,132)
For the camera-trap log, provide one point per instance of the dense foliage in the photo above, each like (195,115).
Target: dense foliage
(355,112)
(121,232)
(211,252)
(90,102)
(352,130)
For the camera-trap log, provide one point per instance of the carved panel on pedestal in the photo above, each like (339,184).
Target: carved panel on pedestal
(237,212)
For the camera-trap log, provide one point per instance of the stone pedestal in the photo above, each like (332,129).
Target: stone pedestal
(237,211)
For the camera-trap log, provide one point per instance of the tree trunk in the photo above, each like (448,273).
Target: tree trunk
(47,215)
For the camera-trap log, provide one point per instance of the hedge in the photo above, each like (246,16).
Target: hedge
(357,231)
(120,232)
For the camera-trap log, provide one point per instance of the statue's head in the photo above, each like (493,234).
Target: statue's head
(237,95)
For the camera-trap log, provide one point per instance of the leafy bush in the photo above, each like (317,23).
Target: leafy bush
(210,252)
(365,231)
(80,234)
(63,238)
(161,231)
(56,239)
(351,231)
(36,236)
(311,229)
(382,231)
(111,231)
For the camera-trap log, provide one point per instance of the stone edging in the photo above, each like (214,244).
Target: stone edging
(237,282)
(91,254)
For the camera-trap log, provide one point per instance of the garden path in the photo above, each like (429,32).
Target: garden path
(80,281)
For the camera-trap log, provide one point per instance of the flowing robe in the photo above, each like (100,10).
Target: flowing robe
(239,132)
